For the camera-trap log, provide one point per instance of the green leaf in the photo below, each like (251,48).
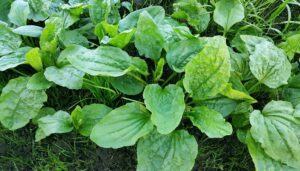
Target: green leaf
(34,58)
(236,94)
(86,118)
(38,82)
(159,69)
(206,74)
(292,95)
(228,12)
(105,60)
(122,39)
(18,104)
(73,37)
(4,9)
(221,104)
(275,129)
(181,52)
(42,113)
(67,76)
(99,10)
(122,126)
(48,39)
(166,104)
(29,30)
(110,29)
(9,41)
(261,160)
(291,46)
(268,63)
(19,12)
(60,122)
(14,59)
(127,84)
(131,20)
(173,152)
(210,122)
(140,66)
(39,9)
(148,38)
(240,64)
(192,11)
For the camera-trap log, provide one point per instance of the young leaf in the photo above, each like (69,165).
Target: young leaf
(19,12)
(236,94)
(105,60)
(206,74)
(38,82)
(159,69)
(228,12)
(166,104)
(131,20)
(60,122)
(181,52)
(122,39)
(84,119)
(18,104)
(210,122)
(67,76)
(34,58)
(14,59)
(148,38)
(275,128)
(9,41)
(122,126)
(176,151)
(268,63)
(29,30)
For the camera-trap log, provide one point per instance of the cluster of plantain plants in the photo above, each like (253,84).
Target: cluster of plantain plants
(217,66)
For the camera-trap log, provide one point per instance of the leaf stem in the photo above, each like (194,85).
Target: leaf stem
(169,79)
(138,78)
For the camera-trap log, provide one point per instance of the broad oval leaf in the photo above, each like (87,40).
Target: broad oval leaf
(14,59)
(228,12)
(180,53)
(131,20)
(192,11)
(127,84)
(73,37)
(206,74)
(105,60)
(210,122)
(19,12)
(166,104)
(9,41)
(122,126)
(275,129)
(261,160)
(39,9)
(58,123)
(268,63)
(84,119)
(67,76)
(148,38)
(18,104)
(173,152)
(99,10)
(38,81)
(29,30)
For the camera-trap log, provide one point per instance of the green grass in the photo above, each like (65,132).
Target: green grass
(18,151)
